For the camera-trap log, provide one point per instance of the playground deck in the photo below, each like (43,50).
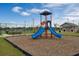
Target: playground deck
(47,47)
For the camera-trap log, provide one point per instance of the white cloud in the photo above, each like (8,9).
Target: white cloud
(13,22)
(35,10)
(17,9)
(71,14)
(25,14)
(74,11)
(20,11)
(59,21)
(45,10)
(49,5)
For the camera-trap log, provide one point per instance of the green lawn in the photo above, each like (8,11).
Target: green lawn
(70,33)
(64,33)
(7,49)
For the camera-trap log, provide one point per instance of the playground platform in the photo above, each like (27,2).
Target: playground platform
(67,46)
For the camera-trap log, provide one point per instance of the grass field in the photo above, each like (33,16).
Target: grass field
(7,49)
(70,34)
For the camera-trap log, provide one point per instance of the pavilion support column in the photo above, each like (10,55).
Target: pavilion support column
(40,24)
(51,23)
(40,20)
(46,27)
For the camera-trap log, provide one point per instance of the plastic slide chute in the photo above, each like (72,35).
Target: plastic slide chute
(38,33)
(52,30)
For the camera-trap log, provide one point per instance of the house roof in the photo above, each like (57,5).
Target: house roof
(69,25)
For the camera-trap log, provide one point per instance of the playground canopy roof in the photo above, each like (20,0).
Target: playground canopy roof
(45,13)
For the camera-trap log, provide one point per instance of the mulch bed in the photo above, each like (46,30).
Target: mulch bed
(67,46)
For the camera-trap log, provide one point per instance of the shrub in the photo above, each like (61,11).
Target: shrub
(13,32)
(78,31)
(0,33)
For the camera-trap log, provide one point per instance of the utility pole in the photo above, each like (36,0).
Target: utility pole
(33,26)
(68,20)
(73,21)
(24,26)
(78,24)
(0,25)
(0,28)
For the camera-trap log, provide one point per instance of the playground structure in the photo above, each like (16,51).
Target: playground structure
(45,26)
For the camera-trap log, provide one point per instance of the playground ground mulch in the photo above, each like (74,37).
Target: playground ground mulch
(67,46)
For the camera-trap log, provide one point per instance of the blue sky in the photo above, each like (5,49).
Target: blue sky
(26,12)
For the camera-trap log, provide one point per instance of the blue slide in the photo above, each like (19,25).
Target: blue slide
(52,30)
(38,33)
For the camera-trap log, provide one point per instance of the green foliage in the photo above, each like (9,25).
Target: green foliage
(13,32)
(78,31)
(0,33)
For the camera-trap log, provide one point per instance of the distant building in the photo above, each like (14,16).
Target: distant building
(57,25)
(69,27)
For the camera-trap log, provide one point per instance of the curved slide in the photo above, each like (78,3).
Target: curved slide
(52,30)
(38,33)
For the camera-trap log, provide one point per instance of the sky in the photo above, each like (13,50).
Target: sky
(25,13)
